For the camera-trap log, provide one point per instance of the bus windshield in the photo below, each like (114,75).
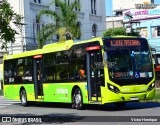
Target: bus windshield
(128,59)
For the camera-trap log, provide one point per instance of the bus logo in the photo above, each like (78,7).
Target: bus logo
(62,91)
(6,119)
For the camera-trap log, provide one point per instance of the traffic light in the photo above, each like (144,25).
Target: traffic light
(158,30)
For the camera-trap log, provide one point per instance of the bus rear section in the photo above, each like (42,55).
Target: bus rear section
(129,72)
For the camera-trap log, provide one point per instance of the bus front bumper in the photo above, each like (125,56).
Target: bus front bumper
(128,97)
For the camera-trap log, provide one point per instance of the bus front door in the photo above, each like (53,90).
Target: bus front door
(95,75)
(38,87)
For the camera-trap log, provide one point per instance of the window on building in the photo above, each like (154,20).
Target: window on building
(76,8)
(79,30)
(35,1)
(93,6)
(154,32)
(56,4)
(37,24)
(57,25)
(118,13)
(67,1)
(143,32)
(94,30)
(38,27)
(34,34)
(39,1)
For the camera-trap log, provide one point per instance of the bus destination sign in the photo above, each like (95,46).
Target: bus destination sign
(116,43)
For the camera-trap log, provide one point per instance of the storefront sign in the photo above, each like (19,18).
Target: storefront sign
(146,6)
(138,14)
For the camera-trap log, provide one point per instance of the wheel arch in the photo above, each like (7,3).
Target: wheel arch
(74,88)
(21,88)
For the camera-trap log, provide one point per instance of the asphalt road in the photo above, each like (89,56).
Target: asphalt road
(49,113)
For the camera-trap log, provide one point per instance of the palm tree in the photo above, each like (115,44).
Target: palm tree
(64,22)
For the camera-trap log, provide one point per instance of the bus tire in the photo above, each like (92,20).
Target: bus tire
(23,97)
(77,99)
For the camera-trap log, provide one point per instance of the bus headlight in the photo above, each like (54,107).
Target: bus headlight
(151,87)
(113,88)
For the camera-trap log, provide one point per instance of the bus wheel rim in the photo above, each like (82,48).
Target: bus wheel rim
(78,99)
(23,97)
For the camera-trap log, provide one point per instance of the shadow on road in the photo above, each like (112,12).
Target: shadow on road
(129,106)
(60,118)
(106,107)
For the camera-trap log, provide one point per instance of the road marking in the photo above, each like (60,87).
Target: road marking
(6,102)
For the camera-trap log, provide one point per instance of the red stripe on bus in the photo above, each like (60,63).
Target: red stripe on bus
(157,69)
(37,56)
(92,48)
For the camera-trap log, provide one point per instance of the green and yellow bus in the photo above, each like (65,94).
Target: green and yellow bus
(115,70)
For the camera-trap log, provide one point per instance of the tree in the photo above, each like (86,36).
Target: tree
(114,32)
(64,22)
(7,15)
(119,31)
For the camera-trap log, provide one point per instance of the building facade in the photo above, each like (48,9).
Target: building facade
(91,19)
(126,4)
(145,20)
(114,21)
(148,20)
(116,13)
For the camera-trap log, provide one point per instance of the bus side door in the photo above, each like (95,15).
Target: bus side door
(38,87)
(95,74)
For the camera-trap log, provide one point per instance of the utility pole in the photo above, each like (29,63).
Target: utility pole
(130,24)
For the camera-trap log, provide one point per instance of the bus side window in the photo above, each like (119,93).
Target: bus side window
(82,72)
(28,66)
(20,67)
(20,70)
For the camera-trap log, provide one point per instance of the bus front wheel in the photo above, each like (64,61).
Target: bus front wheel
(23,97)
(77,99)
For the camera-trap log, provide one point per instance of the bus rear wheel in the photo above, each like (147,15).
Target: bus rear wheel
(23,97)
(77,99)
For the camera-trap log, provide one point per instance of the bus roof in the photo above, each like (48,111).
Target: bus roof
(59,46)
(53,47)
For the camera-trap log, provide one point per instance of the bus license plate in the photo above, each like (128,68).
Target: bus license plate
(134,98)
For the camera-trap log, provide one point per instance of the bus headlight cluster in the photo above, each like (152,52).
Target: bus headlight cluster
(151,87)
(113,88)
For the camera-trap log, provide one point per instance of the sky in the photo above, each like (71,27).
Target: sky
(109,6)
